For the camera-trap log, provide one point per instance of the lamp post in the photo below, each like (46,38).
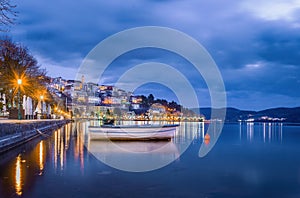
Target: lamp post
(19,81)
(42,109)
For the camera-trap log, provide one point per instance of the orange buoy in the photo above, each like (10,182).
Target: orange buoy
(206,138)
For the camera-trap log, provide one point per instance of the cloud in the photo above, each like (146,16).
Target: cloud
(54,69)
(265,78)
(272,9)
(256,65)
(280,45)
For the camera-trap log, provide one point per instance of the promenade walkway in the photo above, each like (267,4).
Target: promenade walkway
(15,132)
(15,121)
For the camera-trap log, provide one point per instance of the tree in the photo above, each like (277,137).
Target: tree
(150,99)
(162,102)
(144,101)
(17,63)
(7,14)
(174,105)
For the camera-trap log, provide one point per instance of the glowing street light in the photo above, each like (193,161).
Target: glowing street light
(19,81)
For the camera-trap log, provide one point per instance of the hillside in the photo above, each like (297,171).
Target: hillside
(274,114)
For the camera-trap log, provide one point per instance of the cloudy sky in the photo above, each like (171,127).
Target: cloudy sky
(255,44)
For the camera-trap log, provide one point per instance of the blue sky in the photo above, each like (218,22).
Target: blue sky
(256,44)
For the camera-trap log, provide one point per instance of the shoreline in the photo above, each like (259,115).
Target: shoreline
(14,133)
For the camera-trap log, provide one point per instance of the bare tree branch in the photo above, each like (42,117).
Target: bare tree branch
(7,14)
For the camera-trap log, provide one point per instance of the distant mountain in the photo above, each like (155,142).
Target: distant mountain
(274,114)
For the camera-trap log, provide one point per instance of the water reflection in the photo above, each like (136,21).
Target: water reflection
(55,150)
(79,145)
(33,163)
(247,157)
(64,140)
(59,149)
(189,131)
(265,132)
(41,156)
(66,148)
(19,168)
(18,176)
(134,156)
(250,130)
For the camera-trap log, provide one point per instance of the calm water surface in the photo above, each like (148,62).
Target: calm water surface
(249,160)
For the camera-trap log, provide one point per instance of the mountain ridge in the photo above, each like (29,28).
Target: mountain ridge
(283,114)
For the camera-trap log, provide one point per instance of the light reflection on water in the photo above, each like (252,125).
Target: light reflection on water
(247,157)
(18,177)
(41,156)
(257,132)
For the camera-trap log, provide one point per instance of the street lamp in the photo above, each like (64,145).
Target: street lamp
(19,81)
(42,101)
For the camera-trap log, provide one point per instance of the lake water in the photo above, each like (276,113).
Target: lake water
(248,160)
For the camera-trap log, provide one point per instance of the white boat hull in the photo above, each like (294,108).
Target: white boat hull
(139,132)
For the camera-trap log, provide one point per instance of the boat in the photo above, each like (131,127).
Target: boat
(107,121)
(132,132)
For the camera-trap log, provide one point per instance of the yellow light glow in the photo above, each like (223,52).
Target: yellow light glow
(18,184)
(55,150)
(42,97)
(41,155)
(61,155)
(19,81)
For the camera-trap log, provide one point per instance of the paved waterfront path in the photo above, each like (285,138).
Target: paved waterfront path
(16,132)
(15,121)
